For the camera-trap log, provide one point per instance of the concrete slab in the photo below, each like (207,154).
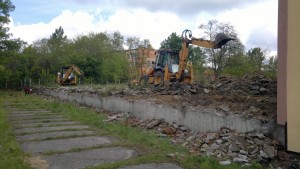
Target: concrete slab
(62,123)
(48,135)
(34,117)
(31,114)
(48,128)
(64,144)
(153,166)
(45,120)
(78,160)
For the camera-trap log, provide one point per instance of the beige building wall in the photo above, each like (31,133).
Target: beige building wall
(293,76)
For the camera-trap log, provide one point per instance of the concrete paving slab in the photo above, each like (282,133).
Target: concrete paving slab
(48,128)
(48,135)
(153,166)
(64,144)
(78,160)
(31,114)
(34,117)
(45,120)
(62,123)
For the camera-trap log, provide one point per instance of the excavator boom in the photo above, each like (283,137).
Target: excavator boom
(220,40)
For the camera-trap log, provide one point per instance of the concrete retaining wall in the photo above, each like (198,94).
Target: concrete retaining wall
(200,119)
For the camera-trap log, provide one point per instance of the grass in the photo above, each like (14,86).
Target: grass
(147,144)
(11,155)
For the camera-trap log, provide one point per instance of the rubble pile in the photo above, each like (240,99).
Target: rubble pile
(255,85)
(258,84)
(177,88)
(226,145)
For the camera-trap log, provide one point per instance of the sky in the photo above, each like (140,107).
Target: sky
(255,21)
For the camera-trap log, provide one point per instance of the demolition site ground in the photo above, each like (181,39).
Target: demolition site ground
(252,97)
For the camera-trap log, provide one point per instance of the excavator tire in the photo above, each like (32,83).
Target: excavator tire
(158,78)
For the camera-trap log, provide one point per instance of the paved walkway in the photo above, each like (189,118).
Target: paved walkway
(57,143)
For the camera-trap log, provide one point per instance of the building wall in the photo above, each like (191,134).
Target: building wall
(293,76)
(282,63)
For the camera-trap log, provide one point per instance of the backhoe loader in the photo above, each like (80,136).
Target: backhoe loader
(172,65)
(68,75)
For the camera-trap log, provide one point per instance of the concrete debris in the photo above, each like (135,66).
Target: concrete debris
(224,144)
(154,123)
(227,162)
(258,84)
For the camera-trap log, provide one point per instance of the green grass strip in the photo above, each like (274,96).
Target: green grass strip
(11,156)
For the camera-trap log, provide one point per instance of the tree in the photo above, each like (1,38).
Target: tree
(133,43)
(117,41)
(256,57)
(172,42)
(6,7)
(219,57)
(56,44)
(100,56)
(238,65)
(271,67)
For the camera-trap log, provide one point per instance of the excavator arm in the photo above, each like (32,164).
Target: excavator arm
(70,70)
(67,74)
(187,39)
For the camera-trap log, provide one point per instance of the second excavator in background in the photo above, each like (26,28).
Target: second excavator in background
(68,75)
(173,65)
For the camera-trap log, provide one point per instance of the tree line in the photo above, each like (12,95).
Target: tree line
(103,59)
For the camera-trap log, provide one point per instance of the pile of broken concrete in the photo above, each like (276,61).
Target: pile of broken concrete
(226,145)
(257,84)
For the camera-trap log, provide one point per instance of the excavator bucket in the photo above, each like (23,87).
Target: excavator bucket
(221,39)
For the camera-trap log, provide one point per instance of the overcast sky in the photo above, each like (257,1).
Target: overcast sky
(254,20)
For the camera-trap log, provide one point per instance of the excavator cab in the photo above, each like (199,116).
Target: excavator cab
(166,65)
(169,58)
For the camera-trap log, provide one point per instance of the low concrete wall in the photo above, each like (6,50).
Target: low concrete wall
(196,119)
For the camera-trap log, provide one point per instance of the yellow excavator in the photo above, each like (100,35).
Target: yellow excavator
(172,65)
(68,75)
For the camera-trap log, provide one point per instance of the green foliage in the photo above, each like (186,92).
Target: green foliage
(6,7)
(98,55)
(251,62)
(270,69)
(239,65)
(256,57)
(172,42)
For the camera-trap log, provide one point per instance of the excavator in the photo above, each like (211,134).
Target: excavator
(172,65)
(68,75)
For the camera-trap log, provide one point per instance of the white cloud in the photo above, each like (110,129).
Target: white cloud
(256,24)
(74,23)
(251,21)
(139,23)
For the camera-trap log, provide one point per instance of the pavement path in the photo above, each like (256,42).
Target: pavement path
(54,142)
